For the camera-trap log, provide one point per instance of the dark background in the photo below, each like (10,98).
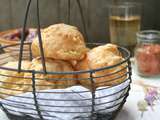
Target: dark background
(55,11)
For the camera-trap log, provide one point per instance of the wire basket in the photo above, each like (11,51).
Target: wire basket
(92,107)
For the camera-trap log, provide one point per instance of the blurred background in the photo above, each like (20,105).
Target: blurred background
(55,11)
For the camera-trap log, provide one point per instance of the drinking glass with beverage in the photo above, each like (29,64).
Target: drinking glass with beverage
(124,23)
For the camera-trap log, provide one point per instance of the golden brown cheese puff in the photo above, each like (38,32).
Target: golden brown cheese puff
(13,82)
(99,57)
(75,62)
(51,81)
(61,41)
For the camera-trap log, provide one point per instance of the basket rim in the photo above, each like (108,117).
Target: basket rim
(128,55)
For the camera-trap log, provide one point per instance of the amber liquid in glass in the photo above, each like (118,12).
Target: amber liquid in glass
(123,31)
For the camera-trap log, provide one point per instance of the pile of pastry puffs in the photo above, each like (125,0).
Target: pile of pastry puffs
(65,50)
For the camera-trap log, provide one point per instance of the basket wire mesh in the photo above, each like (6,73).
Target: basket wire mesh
(95,114)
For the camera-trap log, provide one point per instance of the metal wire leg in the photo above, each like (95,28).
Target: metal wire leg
(23,36)
(93,114)
(40,39)
(69,11)
(35,97)
(83,19)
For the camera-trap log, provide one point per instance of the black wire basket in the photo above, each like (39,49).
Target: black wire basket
(16,108)
(94,109)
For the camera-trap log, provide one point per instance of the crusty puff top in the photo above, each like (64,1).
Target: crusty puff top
(61,41)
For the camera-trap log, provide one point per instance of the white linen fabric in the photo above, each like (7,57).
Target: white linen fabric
(72,96)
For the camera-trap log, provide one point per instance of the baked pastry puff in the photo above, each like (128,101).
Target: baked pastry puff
(100,57)
(12,82)
(52,81)
(22,82)
(61,41)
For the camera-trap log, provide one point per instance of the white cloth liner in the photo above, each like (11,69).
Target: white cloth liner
(101,92)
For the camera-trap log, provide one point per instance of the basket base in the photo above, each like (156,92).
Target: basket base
(99,117)
(14,117)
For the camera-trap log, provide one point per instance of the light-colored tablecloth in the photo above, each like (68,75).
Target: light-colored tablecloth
(130,110)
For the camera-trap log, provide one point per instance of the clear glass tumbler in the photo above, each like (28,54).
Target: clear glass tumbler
(124,23)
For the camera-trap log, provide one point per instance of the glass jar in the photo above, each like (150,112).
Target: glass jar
(147,53)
